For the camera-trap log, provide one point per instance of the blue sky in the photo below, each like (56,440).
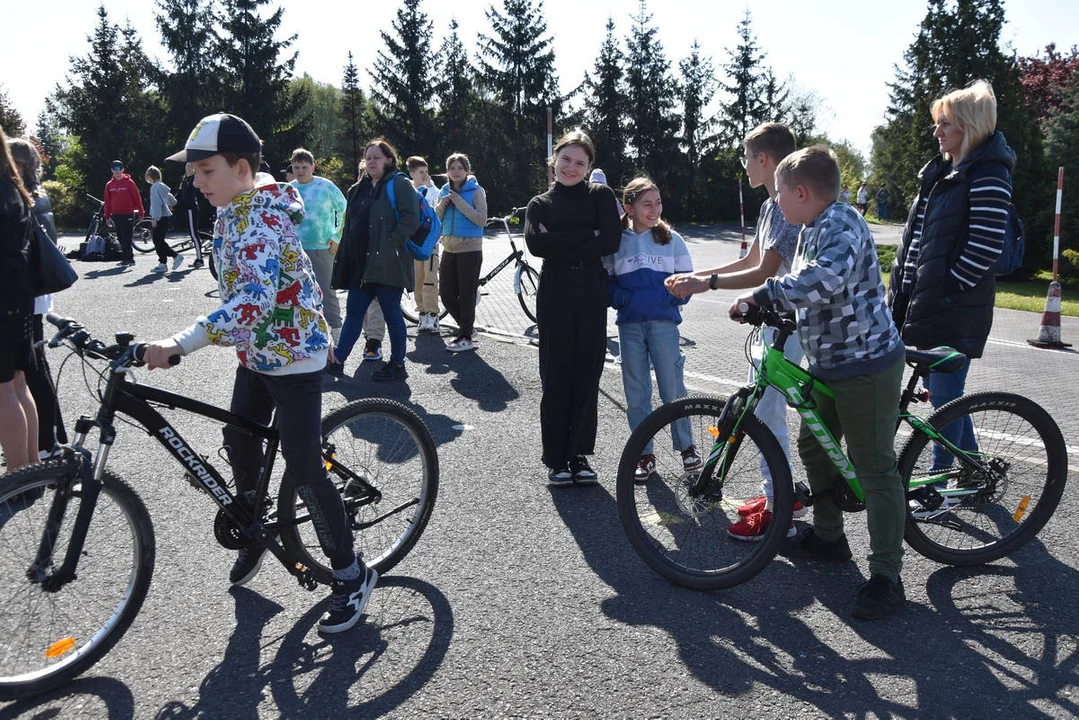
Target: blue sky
(842,51)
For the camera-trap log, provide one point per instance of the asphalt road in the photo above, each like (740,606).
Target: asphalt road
(523,602)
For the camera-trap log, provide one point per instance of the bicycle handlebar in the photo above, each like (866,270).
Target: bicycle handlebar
(757,316)
(122,354)
(505,218)
(97,200)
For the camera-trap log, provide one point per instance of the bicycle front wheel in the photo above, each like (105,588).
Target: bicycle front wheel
(526,283)
(49,635)
(680,530)
(971,517)
(382,459)
(142,239)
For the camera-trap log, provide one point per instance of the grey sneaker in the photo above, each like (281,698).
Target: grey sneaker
(347,601)
(177,262)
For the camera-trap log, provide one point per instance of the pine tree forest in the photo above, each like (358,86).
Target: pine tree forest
(678,119)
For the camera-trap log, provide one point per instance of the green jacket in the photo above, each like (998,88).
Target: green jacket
(387,261)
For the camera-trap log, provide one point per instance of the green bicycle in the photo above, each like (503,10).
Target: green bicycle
(970,508)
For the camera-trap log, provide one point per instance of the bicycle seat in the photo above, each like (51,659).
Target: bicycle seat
(941,359)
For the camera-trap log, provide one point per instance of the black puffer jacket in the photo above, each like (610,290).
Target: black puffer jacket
(937,310)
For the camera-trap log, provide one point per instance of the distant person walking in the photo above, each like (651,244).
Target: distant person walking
(123,208)
(863,199)
(161,204)
(882,203)
(572,226)
(187,207)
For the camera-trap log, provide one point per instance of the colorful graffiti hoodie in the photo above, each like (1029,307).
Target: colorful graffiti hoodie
(271,309)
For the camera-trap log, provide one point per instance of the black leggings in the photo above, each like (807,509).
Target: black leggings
(298,400)
(164,250)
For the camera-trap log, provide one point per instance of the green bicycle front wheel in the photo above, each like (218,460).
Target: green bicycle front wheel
(680,531)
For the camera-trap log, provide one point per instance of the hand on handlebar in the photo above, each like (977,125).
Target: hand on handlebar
(159,354)
(741,306)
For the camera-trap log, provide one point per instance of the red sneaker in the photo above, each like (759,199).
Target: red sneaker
(756,505)
(751,528)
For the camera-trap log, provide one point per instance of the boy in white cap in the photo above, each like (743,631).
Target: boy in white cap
(271,312)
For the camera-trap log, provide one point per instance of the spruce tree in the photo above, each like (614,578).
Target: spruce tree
(745,84)
(457,100)
(104,105)
(516,69)
(696,90)
(10,119)
(353,111)
(652,95)
(606,108)
(190,89)
(402,90)
(255,74)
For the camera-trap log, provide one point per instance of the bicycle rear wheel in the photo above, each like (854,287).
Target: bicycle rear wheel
(49,636)
(980,516)
(681,532)
(526,283)
(142,239)
(386,445)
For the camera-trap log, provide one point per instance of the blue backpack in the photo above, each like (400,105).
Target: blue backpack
(423,241)
(1011,256)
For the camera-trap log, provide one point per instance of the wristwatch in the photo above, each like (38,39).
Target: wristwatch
(712,281)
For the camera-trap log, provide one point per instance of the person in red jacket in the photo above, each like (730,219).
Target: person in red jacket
(123,208)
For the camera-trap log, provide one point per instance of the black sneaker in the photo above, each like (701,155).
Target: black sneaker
(583,474)
(347,601)
(247,565)
(809,546)
(335,369)
(389,371)
(372,350)
(879,598)
(198,263)
(560,477)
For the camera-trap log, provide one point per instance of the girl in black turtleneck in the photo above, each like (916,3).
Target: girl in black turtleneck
(571,227)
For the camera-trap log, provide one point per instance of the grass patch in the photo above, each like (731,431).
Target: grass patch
(1012,294)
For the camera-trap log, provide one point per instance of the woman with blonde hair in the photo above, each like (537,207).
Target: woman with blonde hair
(572,226)
(943,287)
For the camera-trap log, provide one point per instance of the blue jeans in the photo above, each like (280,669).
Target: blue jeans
(655,341)
(359,299)
(943,388)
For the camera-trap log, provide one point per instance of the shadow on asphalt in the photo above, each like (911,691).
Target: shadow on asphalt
(100,697)
(969,648)
(408,625)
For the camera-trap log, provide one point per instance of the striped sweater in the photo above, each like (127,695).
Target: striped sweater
(989,200)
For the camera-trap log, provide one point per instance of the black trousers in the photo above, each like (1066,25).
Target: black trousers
(164,250)
(125,228)
(571,308)
(458,280)
(193,228)
(298,400)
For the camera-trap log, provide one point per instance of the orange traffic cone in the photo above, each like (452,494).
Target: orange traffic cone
(1049,331)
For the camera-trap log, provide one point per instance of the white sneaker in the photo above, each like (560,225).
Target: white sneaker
(434,327)
(177,262)
(461,345)
(160,268)
(425,323)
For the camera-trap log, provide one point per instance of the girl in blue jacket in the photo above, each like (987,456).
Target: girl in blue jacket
(648,314)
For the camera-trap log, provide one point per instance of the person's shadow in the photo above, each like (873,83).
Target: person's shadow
(79,698)
(408,624)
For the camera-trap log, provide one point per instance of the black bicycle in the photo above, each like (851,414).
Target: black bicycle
(78,545)
(98,226)
(525,277)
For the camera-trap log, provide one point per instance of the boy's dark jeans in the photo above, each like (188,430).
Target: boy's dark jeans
(164,250)
(298,400)
(864,410)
